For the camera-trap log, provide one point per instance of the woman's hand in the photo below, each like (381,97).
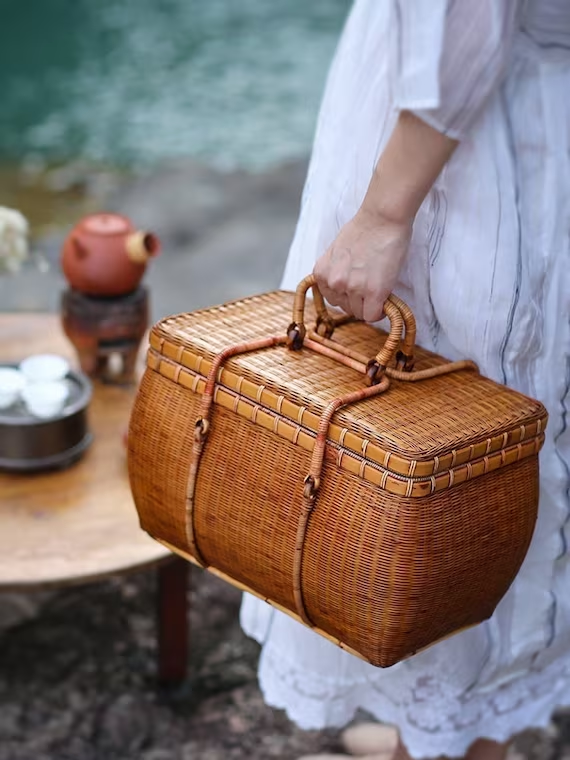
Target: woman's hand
(361,267)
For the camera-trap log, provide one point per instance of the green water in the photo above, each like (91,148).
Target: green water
(126,82)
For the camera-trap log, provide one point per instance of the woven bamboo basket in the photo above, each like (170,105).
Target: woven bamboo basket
(386,502)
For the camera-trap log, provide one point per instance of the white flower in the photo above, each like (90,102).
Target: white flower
(14,230)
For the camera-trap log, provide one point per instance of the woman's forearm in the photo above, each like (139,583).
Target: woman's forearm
(362,265)
(411,162)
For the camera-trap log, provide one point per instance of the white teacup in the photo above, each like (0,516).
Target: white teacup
(44,368)
(45,400)
(12,381)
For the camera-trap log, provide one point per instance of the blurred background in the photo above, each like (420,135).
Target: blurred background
(178,113)
(131,82)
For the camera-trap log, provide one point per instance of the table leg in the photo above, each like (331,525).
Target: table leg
(173,622)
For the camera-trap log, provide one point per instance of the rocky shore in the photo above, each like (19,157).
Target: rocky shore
(224,235)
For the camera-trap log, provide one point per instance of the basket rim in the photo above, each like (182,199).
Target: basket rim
(167,341)
(363,462)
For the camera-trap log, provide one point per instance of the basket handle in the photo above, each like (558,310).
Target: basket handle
(398,312)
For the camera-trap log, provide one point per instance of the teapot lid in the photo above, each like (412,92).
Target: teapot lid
(106,224)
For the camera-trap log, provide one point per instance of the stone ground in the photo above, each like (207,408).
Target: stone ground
(77,682)
(77,667)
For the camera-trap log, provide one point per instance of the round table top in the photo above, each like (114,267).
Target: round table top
(80,523)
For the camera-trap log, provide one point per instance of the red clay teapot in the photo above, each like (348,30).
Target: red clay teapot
(104,255)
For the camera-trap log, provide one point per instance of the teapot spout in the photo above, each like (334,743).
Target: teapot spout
(142,246)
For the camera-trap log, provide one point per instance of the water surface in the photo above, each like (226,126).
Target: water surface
(128,82)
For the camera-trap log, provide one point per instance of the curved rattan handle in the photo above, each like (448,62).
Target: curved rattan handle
(395,309)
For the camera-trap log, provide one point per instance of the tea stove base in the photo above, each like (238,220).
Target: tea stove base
(106,332)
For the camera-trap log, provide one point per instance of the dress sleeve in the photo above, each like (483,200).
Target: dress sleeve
(451,56)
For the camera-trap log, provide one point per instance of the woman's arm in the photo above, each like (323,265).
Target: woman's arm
(453,56)
(361,267)
(411,162)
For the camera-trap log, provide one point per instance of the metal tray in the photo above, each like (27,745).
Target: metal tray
(28,444)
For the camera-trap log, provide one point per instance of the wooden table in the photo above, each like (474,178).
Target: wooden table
(80,524)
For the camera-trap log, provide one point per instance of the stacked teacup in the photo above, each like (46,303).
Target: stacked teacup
(39,383)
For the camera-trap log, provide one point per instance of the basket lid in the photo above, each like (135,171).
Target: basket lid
(414,430)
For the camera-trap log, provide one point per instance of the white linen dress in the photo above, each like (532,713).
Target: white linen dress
(488,277)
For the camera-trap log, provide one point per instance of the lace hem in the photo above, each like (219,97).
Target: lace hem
(431,721)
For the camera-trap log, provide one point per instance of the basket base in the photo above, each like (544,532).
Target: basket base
(293,615)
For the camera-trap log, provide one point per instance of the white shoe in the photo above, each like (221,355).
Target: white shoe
(382,756)
(370,740)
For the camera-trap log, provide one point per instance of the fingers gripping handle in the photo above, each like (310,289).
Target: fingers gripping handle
(395,309)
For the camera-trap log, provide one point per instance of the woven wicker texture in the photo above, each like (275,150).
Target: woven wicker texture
(382,572)
(410,420)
